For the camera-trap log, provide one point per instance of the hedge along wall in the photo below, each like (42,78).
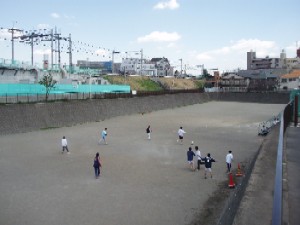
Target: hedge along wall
(17,118)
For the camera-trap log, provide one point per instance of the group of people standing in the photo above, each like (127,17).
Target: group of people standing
(207,161)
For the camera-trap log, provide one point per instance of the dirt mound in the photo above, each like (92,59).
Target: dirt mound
(175,83)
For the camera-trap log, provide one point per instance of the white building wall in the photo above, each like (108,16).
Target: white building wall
(134,64)
(290,84)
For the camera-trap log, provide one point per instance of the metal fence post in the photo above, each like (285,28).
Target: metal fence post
(296,110)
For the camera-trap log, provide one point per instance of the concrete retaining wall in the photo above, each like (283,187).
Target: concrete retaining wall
(17,118)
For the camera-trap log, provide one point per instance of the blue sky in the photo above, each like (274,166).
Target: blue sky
(216,33)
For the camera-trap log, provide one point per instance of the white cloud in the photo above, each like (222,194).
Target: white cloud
(262,48)
(204,56)
(55,15)
(171,45)
(235,55)
(42,51)
(172,4)
(4,34)
(157,36)
(253,44)
(69,17)
(43,26)
(101,52)
(291,50)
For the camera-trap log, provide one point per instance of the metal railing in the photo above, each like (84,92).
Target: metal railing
(33,98)
(286,118)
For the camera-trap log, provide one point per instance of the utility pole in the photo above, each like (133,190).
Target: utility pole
(180,67)
(12,31)
(70,55)
(52,49)
(141,62)
(58,49)
(31,38)
(31,43)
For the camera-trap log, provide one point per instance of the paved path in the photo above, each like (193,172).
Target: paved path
(142,182)
(293,169)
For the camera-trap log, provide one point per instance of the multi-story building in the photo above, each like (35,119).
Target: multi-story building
(232,82)
(254,63)
(163,67)
(104,67)
(138,66)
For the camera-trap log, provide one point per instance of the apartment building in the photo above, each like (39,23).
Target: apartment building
(254,63)
(163,67)
(144,67)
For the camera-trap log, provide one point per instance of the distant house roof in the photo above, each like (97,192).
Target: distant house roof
(293,74)
(232,76)
(258,74)
(158,59)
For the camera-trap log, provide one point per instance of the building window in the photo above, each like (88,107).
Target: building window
(283,80)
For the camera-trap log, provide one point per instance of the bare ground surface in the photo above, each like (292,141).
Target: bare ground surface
(142,181)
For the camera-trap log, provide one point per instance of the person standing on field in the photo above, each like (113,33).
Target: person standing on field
(190,158)
(97,165)
(103,136)
(229,158)
(198,155)
(64,144)
(149,131)
(180,132)
(208,161)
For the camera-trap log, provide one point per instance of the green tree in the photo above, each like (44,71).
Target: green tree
(48,82)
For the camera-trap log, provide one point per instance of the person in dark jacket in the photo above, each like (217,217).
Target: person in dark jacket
(97,165)
(149,131)
(208,162)
(190,158)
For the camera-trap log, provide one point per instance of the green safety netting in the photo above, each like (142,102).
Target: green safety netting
(24,89)
(292,97)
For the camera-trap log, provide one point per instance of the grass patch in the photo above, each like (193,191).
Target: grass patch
(138,83)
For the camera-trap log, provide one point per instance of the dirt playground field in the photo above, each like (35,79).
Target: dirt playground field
(142,181)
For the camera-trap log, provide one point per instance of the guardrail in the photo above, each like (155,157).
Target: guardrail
(286,118)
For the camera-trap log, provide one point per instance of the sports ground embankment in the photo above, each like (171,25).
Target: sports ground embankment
(18,118)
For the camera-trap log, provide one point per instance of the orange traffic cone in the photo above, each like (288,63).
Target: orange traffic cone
(231,183)
(239,171)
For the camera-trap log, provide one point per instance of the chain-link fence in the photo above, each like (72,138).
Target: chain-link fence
(33,98)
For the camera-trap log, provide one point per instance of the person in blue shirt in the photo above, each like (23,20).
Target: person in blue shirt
(103,136)
(190,158)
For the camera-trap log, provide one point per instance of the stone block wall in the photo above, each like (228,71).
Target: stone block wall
(18,118)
